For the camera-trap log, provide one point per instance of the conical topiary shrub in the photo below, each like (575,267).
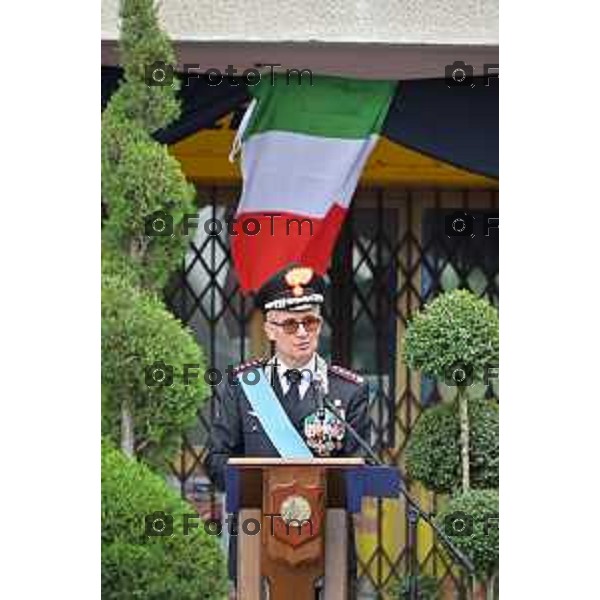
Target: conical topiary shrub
(145,195)
(142,183)
(145,354)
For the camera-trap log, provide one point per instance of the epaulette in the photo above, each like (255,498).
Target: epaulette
(346,374)
(251,364)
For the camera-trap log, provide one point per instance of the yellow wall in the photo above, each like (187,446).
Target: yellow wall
(203,156)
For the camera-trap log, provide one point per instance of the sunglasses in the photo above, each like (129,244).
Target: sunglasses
(291,325)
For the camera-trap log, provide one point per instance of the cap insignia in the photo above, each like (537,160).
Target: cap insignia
(298,277)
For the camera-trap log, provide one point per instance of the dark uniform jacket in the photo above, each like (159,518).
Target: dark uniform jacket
(236,431)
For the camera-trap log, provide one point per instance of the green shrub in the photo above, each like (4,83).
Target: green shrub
(427,588)
(455,339)
(141,43)
(433,451)
(139,180)
(457,328)
(139,175)
(134,565)
(480,509)
(115,264)
(138,332)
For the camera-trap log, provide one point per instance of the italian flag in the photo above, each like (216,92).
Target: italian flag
(303,148)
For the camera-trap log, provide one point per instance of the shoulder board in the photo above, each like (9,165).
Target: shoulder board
(346,374)
(251,364)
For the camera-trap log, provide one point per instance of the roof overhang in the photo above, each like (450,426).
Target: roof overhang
(350,59)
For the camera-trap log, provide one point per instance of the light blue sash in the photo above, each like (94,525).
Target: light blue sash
(277,425)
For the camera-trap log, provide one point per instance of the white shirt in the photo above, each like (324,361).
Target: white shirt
(307,372)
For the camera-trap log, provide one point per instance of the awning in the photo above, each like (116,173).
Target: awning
(456,125)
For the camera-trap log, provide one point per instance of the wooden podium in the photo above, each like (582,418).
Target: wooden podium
(293,521)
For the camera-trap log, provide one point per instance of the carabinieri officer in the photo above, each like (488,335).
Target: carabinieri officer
(291,302)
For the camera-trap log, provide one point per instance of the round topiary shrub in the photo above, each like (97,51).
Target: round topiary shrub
(456,340)
(471,521)
(433,450)
(145,353)
(455,329)
(135,565)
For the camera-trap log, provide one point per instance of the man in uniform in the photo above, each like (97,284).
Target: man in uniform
(291,303)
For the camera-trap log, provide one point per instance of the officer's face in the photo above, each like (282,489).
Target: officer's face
(294,348)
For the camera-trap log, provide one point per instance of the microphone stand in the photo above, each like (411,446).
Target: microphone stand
(415,511)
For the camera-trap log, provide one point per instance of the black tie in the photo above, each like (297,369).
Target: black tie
(292,396)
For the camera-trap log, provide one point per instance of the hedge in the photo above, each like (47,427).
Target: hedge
(135,565)
(138,335)
(433,450)
(471,521)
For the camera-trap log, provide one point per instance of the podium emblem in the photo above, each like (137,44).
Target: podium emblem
(300,507)
(295,508)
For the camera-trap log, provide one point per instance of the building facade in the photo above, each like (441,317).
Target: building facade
(393,254)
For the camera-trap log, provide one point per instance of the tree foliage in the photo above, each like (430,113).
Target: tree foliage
(433,451)
(456,329)
(455,339)
(135,565)
(137,333)
(140,178)
(143,43)
(471,521)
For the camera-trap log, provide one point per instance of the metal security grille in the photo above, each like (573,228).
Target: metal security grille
(392,257)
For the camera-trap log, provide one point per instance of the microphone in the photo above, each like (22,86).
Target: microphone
(324,401)
(414,506)
(321,394)
(357,437)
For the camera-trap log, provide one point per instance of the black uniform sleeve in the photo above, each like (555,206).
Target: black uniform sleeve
(225,437)
(357,415)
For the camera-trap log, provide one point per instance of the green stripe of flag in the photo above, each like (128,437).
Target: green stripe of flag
(333,107)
